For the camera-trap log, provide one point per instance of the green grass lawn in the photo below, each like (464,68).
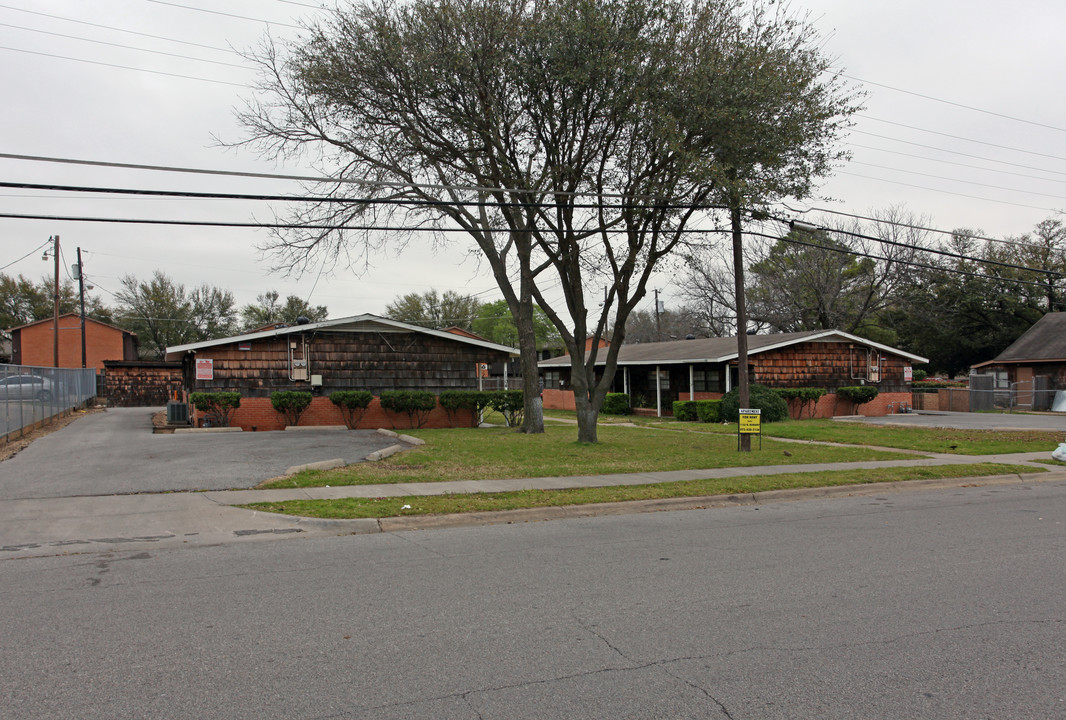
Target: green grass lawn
(499,453)
(939,440)
(485,502)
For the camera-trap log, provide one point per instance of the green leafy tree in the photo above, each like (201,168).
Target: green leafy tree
(23,301)
(435,310)
(536,108)
(163,313)
(495,322)
(268,309)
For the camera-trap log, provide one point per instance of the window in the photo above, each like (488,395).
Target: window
(705,380)
(553,379)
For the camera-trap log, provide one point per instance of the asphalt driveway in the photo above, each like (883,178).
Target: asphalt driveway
(115,452)
(973,421)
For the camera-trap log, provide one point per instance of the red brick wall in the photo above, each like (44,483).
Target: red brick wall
(258,414)
(554,399)
(102,342)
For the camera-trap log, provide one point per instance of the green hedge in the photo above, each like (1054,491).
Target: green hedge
(616,404)
(709,411)
(509,403)
(685,411)
(291,404)
(773,406)
(473,400)
(805,397)
(218,406)
(416,404)
(353,405)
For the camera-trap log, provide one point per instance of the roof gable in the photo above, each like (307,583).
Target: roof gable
(1045,340)
(74,315)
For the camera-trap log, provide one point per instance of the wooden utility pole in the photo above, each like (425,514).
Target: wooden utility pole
(743,395)
(81,293)
(55,304)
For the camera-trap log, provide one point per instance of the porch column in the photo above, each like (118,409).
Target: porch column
(728,378)
(658,394)
(505,386)
(625,379)
(691,382)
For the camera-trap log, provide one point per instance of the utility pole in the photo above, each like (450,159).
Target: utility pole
(81,293)
(55,304)
(658,326)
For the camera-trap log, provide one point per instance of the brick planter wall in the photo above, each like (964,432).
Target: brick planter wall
(257,414)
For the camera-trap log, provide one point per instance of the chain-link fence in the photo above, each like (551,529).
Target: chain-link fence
(989,393)
(29,394)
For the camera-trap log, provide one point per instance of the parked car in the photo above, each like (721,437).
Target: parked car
(25,387)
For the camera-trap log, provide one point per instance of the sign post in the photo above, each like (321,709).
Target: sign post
(750,424)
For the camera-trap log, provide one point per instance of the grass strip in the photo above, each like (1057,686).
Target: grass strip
(502,453)
(350,508)
(922,439)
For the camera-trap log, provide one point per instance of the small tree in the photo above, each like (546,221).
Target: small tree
(772,405)
(291,404)
(353,405)
(510,404)
(217,406)
(857,394)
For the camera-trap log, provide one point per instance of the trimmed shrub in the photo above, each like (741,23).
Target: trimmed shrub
(804,397)
(857,394)
(218,406)
(353,405)
(709,411)
(291,404)
(416,404)
(616,404)
(919,375)
(510,404)
(473,400)
(685,411)
(773,406)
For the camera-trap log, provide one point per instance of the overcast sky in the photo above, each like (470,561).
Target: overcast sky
(74,85)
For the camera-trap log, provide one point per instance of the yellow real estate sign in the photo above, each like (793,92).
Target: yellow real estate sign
(750,422)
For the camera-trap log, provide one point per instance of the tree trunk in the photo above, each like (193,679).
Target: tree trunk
(587,415)
(742,317)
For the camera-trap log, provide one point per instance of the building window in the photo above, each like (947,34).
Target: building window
(705,380)
(664,379)
(553,379)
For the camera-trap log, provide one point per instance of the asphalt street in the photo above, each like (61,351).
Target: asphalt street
(937,604)
(971,421)
(115,452)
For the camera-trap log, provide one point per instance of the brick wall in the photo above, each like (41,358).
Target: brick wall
(35,344)
(257,414)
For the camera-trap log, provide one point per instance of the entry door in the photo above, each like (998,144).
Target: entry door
(1024,388)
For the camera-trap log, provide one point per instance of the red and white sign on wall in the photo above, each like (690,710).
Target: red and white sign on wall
(205,369)
(908,373)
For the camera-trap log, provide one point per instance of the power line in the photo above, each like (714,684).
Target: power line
(948,192)
(965,165)
(949,179)
(117,29)
(31,252)
(225,14)
(126,47)
(956,152)
(122,67)
(959,137)
(955,104)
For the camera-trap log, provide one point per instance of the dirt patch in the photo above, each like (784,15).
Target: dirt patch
(14,447)
(159,423)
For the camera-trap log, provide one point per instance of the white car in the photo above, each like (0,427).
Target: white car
(25,387)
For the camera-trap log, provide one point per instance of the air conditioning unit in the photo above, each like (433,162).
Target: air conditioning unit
(177,413)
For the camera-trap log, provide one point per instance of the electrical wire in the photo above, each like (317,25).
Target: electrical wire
(949,192)
(31,252)
(958,164)
(123,67)
(127,47)
(225,14)
(959,137)
(967,182)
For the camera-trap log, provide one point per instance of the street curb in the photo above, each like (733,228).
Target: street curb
(320,465)
(359,526)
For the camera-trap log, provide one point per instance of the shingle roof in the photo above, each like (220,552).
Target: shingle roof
(355,323)
(722,349)
(1045,340)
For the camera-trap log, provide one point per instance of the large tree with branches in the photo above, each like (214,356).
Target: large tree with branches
(575,141)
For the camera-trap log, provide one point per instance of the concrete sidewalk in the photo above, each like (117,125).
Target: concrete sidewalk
(138,522)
